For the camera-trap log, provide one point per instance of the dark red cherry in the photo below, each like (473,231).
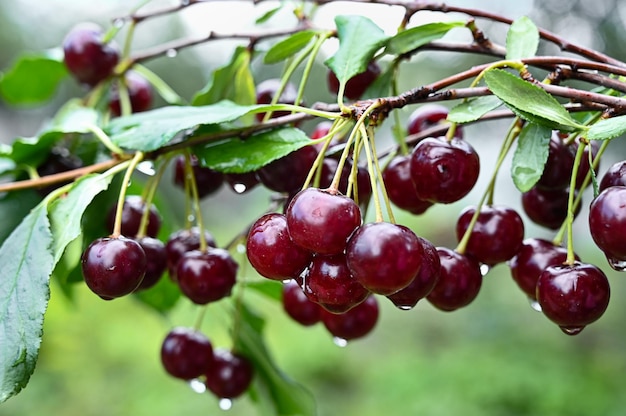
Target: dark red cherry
(186,353)
(288,173)
(242,182)
(266,91)
(428,116)
(208,180)
(156,261)
(298,306)
(607,222)
(181,242)
(229,375)
(113,267)
(59,160)
(206,276)
(547,208)
(321,221)
(615,176)
(139,93)
(384,257)
(400,187)
(444,171)
(558,168)
(132,211)
(496,236)
(329,283)
(459,281)
(271,251)
(355,323)
(358,84)
(424,282)
(573,296)
(88,58)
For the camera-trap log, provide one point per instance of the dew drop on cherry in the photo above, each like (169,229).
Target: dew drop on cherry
(484,269)
(340,342)
(568,330)
(197,386)
(534,304)
(225,404)
(616,264)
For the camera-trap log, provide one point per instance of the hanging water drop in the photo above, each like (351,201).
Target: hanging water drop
(404,307)
(146,167)
(225,404)
(197,386)
(119,23)
(484,269)
(240,188)
(171,53)
(618,265)
(572,330)
(340,342)
(191,218)
(534,304)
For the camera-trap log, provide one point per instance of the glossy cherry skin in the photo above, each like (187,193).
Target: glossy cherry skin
(558,168)
(615,176)
(208,181)
(428,116)
(444,171)
(86,56)
(459,281)
(156,261)
(363,184)
(132,211)
(425,280)
(607,222)
(496,236)
(329,283)
(384,257)
(547,208)
(400,186)
(186,353)
(229,375)
(533,257)
(271,251)
(356,86)
(206,276)
(113,267)
(181,242)
(573,296)
(298,306)
(355,323)
(288,173)
(265,92)
(321,221)
(139,93)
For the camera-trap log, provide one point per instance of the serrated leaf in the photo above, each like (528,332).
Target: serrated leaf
(531,156)
(473,109)
(74,117)
(359,39)
(607,128)
(235,155)
(33,79)
(152,129)
(233,82)
(415,37)
(522,39)
(27,263)
(14,207)
(288,47)
(32,150)
(529,99)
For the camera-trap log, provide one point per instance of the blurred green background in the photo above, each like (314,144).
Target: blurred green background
(494,357)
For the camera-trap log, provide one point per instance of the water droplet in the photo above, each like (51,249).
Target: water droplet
(197,386)
(534,304)
(191,218)
(240,188)
(119,23)
(241,248)
(225,404)
(171,53)
(404,307)
(619,265)
(572,330)
(146,167)
(484,268)
(185,2)
(340,342)
(286,281)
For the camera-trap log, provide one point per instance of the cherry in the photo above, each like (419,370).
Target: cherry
(355,323)
(607,222)
(329,283)
(266,91)
(298,306)
(459,281)
(132,211)
(547,208)
(139,93)
(384,257)
(271,251)
(400,186)
(444,171)
(321,129)
(242,182)
(615,176)
(533,257)
(425,280)
(428,116)
(208,180)
(321,220)
(229,375)
(496,236)
(573,295)
(113,267)
(356,86)
(288,173)
(156,261)
(558,168)
(59,160)
(186,353)
(181,242)
(86,56)
(206,276)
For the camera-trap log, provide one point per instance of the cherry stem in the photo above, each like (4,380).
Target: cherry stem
(151,189)
(117,227)
(571,256)
(372,172)
(200,317)
(190,178)
(379,175)
(106,141)
(322,37)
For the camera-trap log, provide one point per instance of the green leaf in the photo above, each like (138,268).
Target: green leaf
(530,100)
(161,297)
(15,206)
(233,82)
(381,87)
(271,388)
(530,156)
(27,263)
(74,117)
(161,87)
(269,14)
(607,128)
(235,155)
(269,288)
(359,40)
(473,109)
(150,130)
(33,79)
(288,47)
(415,37)
(522,39)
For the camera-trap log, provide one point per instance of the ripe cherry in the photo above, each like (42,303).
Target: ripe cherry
(558,168)
(607,222)
(156,261)
(358,84)
(181,242)
(206,276)
(615,176)
(355,323)
(547,208)
(132,211)
(186,353)
(113,267)
(400,187)
(428,116)
(288,173)
(208,181)
(229,374)
(139,93)
(59,160)
(298,306)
